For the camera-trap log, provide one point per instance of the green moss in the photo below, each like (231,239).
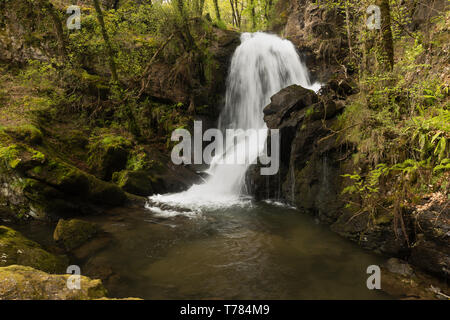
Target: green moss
(73,233)
(16,249)
(105,193)
(26,283)
(27,133)
(135,182)
(10,156)
(108,154)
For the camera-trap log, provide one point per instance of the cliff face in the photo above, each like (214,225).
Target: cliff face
(316,32)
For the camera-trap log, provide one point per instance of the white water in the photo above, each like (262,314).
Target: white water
(262,65)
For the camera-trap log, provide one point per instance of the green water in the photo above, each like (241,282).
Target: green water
(263,252)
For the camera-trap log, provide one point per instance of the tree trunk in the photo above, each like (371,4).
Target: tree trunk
(233,13)
(252,4)
(386,32)
(112,64)
(58,26)
(347,23)
(185,30)
(216,7)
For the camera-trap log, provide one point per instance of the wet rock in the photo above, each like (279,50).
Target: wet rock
(400,267)
(16,249)
(285,102)
(73,233)
(105,193)
(431,250)
(431,256)
(26,283)
(91,247)
(135,182)
(403,281)
(372,234)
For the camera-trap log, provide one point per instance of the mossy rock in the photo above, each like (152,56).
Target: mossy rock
(73,233)
(62,176)
(26,283)
(27,133)
(16,249)
(19,157)
(134,182)
(108,154)
(106,193)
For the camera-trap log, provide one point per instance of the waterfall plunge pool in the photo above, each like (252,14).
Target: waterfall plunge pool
(253,251)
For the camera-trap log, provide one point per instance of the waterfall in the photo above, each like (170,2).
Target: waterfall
(262,65)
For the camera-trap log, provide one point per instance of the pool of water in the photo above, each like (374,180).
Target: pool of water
(253,252)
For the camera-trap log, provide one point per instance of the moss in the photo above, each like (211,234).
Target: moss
(134,182)
(20,157)
(105,193)
(383,218)
(73,233)
(16,249)
(108,154)
(62,176)
(27,133)
(10,156)
(26,283)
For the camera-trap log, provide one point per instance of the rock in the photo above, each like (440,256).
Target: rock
(373,234)
(285,102)
(108,154)
(431,250)
(73,233)
(26,283)
(27,133)
(105,193)
(403,281)
(135,182)
(400,267)
(340,88)
(44,187)
(16,249)
(431,256)
(314,29)
(91,247)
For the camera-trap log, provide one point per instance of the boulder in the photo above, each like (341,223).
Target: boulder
(285,102)
(40,185)
(26,283)
(431,250)
(108,154)
(16,249)
(135,182)
(74,233)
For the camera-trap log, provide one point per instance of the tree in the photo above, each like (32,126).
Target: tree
(101,21)
(216,8)
(253,14)
(386,32)
(57,24)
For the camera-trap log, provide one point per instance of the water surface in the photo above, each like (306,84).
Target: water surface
(254,252)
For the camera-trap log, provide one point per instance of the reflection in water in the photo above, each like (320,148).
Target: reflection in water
(258,252)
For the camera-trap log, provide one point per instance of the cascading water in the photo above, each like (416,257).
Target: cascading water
(262,65)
